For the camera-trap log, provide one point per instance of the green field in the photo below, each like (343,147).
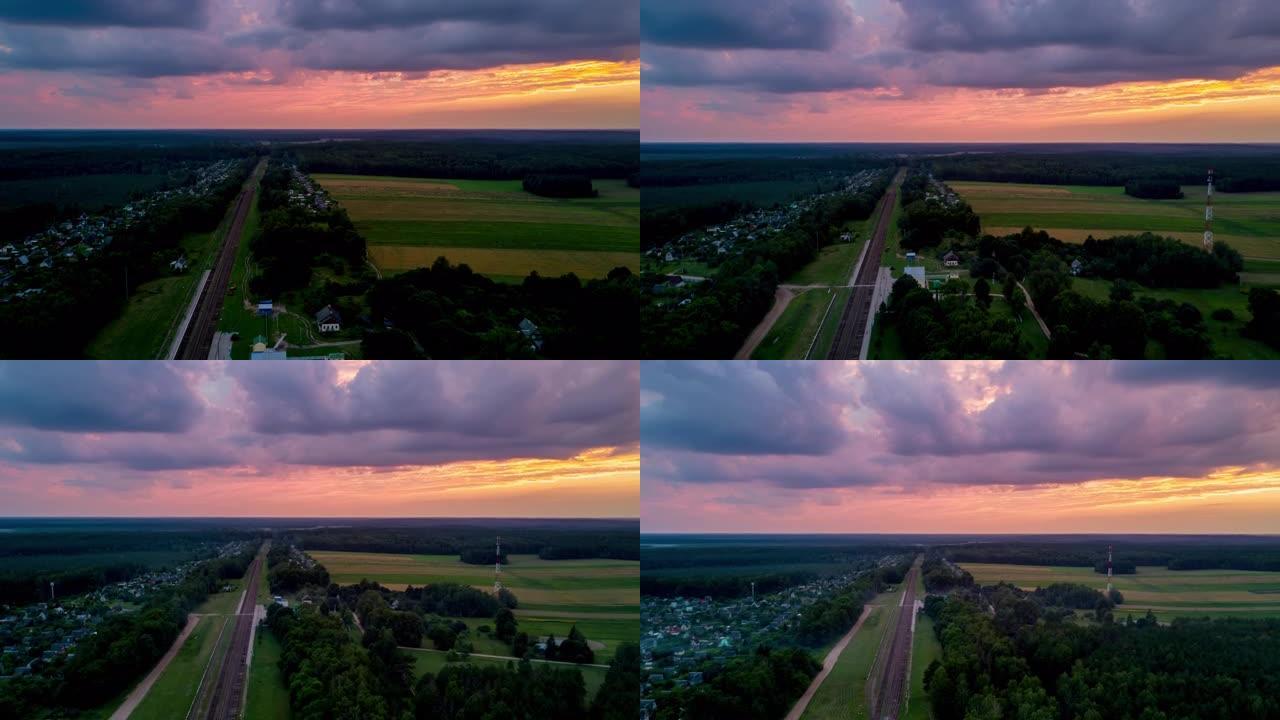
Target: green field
(925,648)
(601,596)
(268,699)
(432,661)
(791,335)
(222,603)
(1248,222)
(1226,337)
(843,695)
(1168,593)
(491,225)
(1027,324)
(176,688)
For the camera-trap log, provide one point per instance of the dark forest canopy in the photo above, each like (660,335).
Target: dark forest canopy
(1223,553)
(1154,189)
(560,186)
(472,159)
(618,540)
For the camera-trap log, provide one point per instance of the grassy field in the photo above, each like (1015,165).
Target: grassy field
(925,648)
(491,225)
(601,596)
(268,699)
(834,264)
(1168,593)
(792,334)
(432,661)
(1226,337)
(1027,324)
(1249,222)
(222,603)
(842,695)
(175,689)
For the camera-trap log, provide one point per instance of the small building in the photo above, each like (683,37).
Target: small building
(265,308)
(911,257)
(179,265)
(917,272)
(532,333)
(1076,266)
(328,319)
(951,259)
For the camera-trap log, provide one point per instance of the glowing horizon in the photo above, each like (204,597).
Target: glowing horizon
(959,447)
(436,439)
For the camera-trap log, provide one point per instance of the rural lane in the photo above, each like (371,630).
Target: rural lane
(131,703)
(828,664)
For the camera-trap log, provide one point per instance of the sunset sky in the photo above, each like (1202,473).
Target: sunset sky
(961,70)
(964,447)
(298,439)
(319,64)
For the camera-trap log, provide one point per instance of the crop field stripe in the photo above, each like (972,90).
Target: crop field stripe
(512,263)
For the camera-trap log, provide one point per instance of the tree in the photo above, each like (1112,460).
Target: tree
(505,625)
(982,293)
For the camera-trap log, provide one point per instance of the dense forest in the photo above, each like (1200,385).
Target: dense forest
(121,650)
(949,324)
(618,540)
(1234,171)
(1154,189)
(931,213)
(718,315)
(284,575)
(471,158)
(79,298)
(448,311)
(1023,660)
(1263,554)
(560,186)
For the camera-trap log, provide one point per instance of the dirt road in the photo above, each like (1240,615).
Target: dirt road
(885,692)
(828,663)
(855,319)
(198,339)
(781,299)
(131,703)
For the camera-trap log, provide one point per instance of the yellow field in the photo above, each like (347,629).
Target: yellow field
(511,263)
(1168,593)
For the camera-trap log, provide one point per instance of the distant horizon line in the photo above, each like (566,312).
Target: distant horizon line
(4,518)
(643,141)
(643,533)
(315,129)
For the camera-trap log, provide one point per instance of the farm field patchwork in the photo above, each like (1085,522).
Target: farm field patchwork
(601,596)
(491,225)
(1249,222)
(1167,593)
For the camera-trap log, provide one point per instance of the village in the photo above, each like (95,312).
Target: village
(683,637)
(26,265)
(714,244)
(41,636)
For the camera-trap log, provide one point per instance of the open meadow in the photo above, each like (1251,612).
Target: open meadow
(602,597)
(1248,222)
(1167,593)
(491,225)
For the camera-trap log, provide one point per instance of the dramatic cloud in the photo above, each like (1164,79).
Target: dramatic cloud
(421,432)
(787,433)
(483,57)
(864,57)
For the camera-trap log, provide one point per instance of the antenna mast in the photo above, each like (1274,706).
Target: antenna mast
(497,567)
(1208,214)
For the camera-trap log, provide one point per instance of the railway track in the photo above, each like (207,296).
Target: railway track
(886,701)
(857,311)
(227,690)
(198,339)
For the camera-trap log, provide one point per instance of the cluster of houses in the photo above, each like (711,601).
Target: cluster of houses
(24,265)
(716,242)
(682,638)
(304,193)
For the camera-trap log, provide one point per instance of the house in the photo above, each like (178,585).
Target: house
(911,257)
(533,334)
(1076,266)
(179,265)
(265,308)
(917,272)
(328,319)
(951,259)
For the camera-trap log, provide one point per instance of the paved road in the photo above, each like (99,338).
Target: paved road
(827,664)
(227,687)
(885,703)
(198,339)
(854,320)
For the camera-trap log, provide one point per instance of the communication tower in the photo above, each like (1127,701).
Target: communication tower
(1108,571)
(497,567)
(1208,214)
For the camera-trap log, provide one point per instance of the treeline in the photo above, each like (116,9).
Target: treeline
(620,542)
(1161,262)
(1264,323)
(79,298)
(950,324)
(451,599)
(939,576)
(121,650)
(291,241)
(806,551)
(1127,555)
(284,575)
(721,586)
(832,616)
(660,226)
(560,186)
(481,556)
(1027,662)
(1233,172)
(720,313)
(448,311)
(1154,189)
(474,159)
(763,686)
(111,159)
(926,221)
